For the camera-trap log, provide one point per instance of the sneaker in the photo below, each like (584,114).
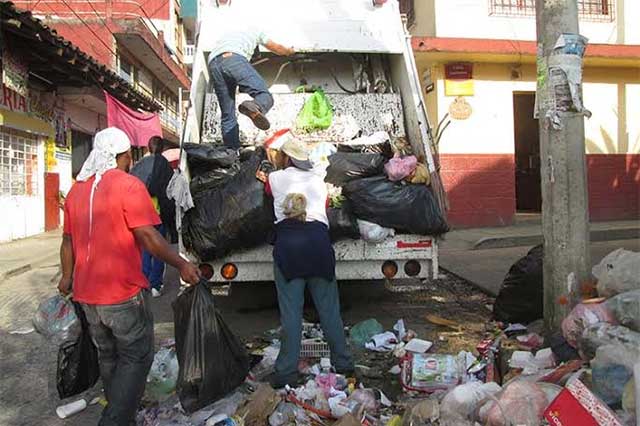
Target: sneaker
(155,293)
(252,110)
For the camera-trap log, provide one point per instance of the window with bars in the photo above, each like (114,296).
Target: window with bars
(18,163)
(589,10)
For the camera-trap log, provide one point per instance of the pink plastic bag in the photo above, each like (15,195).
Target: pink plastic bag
(399,168)
(583,316)
(520,403)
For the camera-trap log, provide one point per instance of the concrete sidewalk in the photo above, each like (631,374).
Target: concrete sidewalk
(483,256)
(529,233)
(17,257)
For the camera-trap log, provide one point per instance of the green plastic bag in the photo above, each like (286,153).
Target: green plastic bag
(316,114)
(363,331)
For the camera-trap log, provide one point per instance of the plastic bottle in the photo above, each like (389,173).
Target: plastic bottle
(70,409)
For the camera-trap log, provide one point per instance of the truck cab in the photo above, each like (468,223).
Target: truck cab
(359,53)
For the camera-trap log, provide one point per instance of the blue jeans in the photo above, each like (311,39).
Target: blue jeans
(152,267)
(228,74)
(123,334)
(291,302)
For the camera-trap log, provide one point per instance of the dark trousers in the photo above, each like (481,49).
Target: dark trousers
(228,74)
(152,267)
(124,336)
(291,302)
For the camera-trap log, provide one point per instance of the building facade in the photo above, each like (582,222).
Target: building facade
(142,40)
(48,99)
(477,59)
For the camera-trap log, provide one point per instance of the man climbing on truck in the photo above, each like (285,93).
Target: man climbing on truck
(230,69)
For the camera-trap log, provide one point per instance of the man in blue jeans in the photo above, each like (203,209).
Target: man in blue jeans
(230,69)
(303,257)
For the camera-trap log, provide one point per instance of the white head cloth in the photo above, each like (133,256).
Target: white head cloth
(107,144)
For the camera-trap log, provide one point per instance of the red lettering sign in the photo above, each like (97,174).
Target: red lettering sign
(13,101)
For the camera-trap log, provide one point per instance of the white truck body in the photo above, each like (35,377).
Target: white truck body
(339,29)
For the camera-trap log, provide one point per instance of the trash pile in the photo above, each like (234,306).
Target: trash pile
(377,187)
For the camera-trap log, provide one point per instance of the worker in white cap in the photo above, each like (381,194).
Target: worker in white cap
(108,218)
(303,257)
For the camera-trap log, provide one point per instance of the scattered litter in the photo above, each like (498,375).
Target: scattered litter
(23,330)
(576,405)
(583,316)
(163,375)
(384,342)
(418,346)
(68,410)
(428,373)
(459,405)
(362,332)
(260,406)
(400,329)
(434,319)
(530,340)
(395,370)
(515,329)
(618,272)
(520,402)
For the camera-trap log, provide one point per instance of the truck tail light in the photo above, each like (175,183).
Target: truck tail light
(229,271)
(206,270)
(389,269)
(412,268)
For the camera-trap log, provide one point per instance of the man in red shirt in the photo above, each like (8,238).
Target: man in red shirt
(108,218)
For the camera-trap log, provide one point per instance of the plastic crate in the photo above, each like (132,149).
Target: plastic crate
(314,348)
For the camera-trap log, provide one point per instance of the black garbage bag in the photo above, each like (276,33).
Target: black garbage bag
(384,148)
(212,178)
(342,223)
(234,215)
(78,368)
(520,297)
(347,166)
(204,157)
(406,208)
(212,360)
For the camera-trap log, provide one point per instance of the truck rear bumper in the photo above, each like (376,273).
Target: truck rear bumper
(411,257)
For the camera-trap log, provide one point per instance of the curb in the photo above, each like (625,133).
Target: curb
(532,240)
(16,271)
(43,261)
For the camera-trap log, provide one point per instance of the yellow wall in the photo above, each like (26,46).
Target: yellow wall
(611,94)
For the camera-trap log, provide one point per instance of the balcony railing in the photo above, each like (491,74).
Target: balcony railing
(169,119)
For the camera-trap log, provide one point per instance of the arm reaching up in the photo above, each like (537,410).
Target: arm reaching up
(279,49)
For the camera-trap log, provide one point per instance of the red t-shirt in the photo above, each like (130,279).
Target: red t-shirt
(108,265)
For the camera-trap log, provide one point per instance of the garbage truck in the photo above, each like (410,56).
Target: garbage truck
(359,53)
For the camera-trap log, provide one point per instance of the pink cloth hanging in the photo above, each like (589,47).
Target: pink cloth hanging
(139,126)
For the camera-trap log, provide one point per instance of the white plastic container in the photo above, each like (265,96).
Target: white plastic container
(70,409)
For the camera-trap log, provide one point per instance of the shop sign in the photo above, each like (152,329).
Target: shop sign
(458,79)
(15,73)
(13,101)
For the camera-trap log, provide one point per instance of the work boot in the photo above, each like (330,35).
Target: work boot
(252,110)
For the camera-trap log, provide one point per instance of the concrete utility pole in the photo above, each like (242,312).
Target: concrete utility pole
(565,217)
